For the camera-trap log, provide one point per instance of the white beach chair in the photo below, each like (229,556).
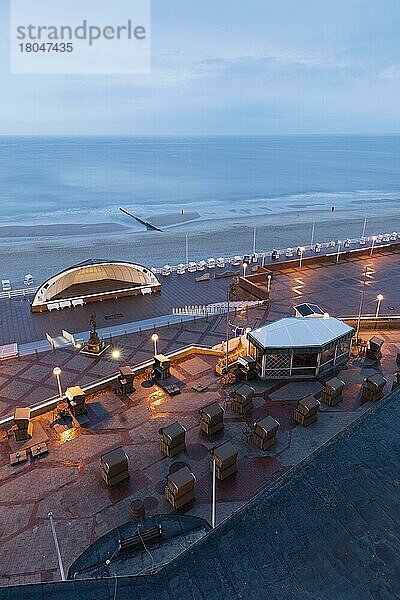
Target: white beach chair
(65,304)
(211,263)
(78,302)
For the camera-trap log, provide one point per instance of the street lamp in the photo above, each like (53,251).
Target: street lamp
(263,259)
(373,244)
(367,271)
(248,329)
(214,494)
(57,373)
(338,251)
(116,354)
(379,299)
(269,283)
(245,265)
(302,249)
(154,338)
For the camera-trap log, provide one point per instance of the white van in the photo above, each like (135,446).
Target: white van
(6,285)
(166,270)
(180,269)
(220,262)
(192,267)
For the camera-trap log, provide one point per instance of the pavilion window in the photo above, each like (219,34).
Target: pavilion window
(304,360)
(327,355)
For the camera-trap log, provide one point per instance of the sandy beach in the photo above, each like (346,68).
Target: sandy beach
(70,244)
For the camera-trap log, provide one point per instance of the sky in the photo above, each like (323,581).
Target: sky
(222,67)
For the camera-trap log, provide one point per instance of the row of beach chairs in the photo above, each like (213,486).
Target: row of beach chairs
(65,304)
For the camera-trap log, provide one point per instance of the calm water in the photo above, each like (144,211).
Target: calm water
(61,180)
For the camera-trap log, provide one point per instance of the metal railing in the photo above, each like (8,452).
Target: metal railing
(22,292)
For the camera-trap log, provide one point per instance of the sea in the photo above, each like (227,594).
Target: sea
(280,185)
(60,179)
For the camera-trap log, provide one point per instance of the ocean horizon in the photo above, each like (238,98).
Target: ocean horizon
(59,179)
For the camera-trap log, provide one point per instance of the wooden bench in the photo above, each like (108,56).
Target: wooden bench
(131,542)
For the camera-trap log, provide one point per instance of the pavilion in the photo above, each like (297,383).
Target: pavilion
(92,281)
(300,347)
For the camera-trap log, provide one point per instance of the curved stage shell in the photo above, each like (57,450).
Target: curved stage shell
(92,281)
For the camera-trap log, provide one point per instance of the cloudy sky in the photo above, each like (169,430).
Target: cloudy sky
(230,67)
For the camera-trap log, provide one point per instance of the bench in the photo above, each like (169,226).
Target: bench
(131,542)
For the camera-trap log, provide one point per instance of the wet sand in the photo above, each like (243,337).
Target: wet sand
(170,220)
(213,238)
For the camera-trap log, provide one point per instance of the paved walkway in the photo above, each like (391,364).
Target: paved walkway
(106,332)
(68,483)
(29,380)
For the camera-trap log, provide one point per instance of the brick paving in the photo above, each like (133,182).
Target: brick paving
(67,480)
(68,483)
(337,287)
(28,380)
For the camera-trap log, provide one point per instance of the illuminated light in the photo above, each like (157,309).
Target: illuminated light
(116,354)
(154,338)
(57,371)
(326,316)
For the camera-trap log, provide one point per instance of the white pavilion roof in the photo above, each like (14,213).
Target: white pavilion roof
(300,332)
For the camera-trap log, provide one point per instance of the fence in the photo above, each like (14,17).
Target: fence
(216,309)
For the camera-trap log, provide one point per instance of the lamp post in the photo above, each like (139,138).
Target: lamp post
(245,265)
(367,270)
(154,339)
(269,283)
(379,299)
(302,249)
(227,331)
(214,494)
(57,373)
(373,244)
(248,329)
(364,226)
(338,251)
(263,259)
(57,546)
